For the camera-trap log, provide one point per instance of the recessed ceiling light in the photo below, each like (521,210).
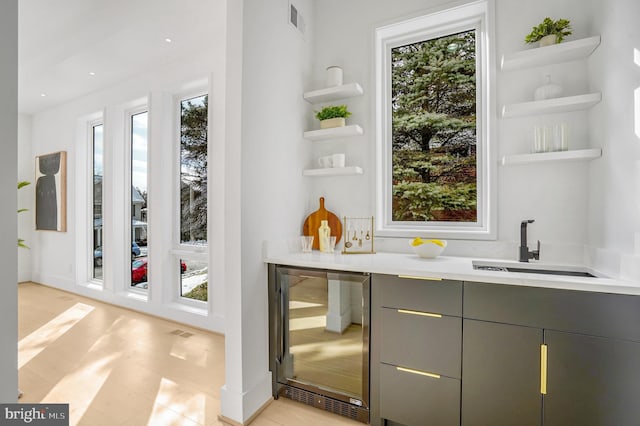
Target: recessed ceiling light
(43,94)
(168,40)
(91,73)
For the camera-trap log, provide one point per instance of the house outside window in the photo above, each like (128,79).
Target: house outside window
(97,154)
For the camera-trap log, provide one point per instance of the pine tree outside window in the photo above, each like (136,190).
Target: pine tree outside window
(433,122)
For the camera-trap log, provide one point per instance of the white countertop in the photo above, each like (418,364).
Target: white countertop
(447,267)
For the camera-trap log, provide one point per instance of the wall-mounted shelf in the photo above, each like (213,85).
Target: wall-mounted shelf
(573,155)
(333,171)
(554,54)
(550,106)
(334,93)
(334,133)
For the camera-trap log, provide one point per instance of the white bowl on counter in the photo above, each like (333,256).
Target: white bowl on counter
(428,249)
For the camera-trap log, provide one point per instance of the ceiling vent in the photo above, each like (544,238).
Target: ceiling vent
(295,18)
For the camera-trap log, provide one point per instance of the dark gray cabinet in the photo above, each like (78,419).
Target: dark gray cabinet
(501,375)
(592,381)
(592,365)
(451,353)
(416,349)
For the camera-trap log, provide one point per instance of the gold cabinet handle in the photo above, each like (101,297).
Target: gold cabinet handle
(413,277)
(543,369)
(418,372)
(423,314)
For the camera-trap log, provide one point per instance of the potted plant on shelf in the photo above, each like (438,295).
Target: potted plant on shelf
(549,32)
(21,243)
(333,116)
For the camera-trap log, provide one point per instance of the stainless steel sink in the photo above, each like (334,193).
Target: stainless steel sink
(534,268)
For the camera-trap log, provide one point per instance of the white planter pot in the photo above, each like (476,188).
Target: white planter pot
(333,122)
(548,40)
(334,76)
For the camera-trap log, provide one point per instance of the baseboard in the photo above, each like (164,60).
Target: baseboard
(241,405)
(255,415)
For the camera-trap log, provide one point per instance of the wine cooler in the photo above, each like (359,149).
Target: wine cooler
(319,338)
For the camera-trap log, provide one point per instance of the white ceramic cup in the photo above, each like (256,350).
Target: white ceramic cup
(334,76)
(337,160)
(325,161)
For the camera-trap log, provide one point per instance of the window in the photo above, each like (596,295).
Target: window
(137,246)
(193,197)
(433,122)
(97,137)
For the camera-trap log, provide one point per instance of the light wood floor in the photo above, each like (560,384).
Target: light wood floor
(119,367)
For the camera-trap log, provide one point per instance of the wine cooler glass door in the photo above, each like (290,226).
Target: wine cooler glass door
(325,333)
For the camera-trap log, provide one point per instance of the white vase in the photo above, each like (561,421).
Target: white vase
(334,76)
(333,122)
(548,90)
(548,40)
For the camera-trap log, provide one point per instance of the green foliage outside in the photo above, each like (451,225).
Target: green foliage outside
(333,111)
(193,175)
(199,292)
(434,130)
(561,28)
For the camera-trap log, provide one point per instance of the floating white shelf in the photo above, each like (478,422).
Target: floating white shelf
(334,133)
(573,155)
(334,93)
(333,171)
(554,54)
(550,106)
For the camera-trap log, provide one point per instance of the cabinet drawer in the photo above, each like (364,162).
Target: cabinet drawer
(415,340)
(414,399)
(442,296)
(593,313)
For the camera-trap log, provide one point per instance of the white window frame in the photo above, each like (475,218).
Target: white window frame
(183,251)
(476,15)
(128,161)
(91,134)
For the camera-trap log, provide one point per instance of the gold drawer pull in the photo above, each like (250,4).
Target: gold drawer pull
(412,277)
(421,373)
(543,369)
(423,314)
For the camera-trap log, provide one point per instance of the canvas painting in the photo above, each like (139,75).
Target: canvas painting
(51,192)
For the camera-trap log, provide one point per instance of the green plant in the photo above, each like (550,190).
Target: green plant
(199,292)
(561,28)
(22,184)
(332,111)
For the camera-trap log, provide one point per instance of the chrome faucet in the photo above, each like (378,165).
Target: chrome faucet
(525,254)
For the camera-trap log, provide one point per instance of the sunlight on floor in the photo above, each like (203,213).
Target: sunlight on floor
(183,350)
(307,322)
(297,304)
(90,376)
(31,345)
(176,406)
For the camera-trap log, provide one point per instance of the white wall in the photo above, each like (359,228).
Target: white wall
(614,205)
(25,196)
(555,195)
(275,68)
(8,174)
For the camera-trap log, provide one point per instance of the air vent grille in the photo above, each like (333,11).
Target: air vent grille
(295,18)
(324,403)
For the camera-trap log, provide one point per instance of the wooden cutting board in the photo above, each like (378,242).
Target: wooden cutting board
(312,223)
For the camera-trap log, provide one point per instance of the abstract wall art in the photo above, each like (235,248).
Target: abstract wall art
(51,192)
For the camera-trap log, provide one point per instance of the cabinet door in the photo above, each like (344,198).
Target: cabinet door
(591,381)
(500,374)
(412,398)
